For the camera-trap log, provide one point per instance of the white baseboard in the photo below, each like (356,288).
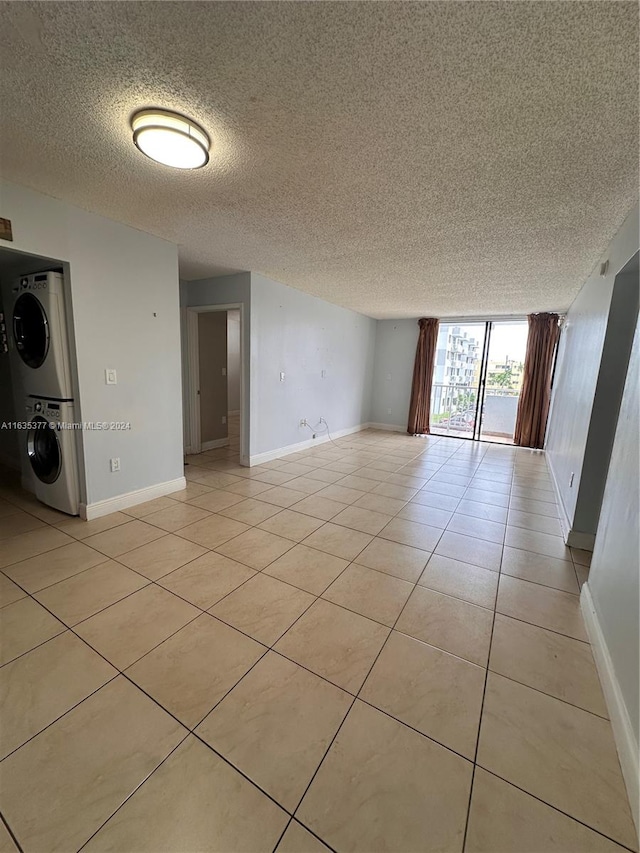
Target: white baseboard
(212,445)
(574,538)
(140,496)
(388,427)
(259,458)
(623,733)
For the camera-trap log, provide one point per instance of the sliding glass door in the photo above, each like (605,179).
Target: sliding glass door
(477,379)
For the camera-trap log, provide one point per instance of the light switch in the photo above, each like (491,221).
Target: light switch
(110,376)
(282,376)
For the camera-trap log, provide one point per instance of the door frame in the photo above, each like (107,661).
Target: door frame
(193,439)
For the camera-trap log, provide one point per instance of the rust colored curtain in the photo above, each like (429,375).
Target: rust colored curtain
(533,406)
(420,406)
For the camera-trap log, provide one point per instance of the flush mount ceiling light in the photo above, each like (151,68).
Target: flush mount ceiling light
(170,138)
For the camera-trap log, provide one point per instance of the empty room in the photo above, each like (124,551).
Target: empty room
(319,426)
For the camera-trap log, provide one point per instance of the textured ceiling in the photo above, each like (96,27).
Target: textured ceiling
(447,158)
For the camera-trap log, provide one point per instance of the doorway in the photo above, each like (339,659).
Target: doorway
(214,423)
(477,379)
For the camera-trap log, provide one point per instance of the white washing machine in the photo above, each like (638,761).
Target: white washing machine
(52,453)
(38,340)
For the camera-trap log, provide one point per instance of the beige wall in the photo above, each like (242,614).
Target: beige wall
(212,353)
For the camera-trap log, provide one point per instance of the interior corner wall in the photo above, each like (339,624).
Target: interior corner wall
(302,336)
(124,292)
(395,354)
(575,383)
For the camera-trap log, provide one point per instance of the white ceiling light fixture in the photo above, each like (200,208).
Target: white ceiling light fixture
(170,138)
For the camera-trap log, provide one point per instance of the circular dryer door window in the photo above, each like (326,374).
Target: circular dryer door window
(31,330)
(43,448)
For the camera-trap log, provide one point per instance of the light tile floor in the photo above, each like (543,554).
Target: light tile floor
(375,645)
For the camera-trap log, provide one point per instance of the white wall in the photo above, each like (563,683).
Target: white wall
(301,336)
(395,354)
(233,359)
(124,290)
(615,571)
(578,368)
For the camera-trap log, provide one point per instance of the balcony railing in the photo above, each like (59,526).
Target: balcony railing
(453,411)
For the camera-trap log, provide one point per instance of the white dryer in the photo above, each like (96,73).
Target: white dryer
(52,453)
(38,341)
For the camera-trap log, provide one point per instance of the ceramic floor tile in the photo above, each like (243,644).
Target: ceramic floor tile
(561,754)
(263,607)
(550,662)
(175,517)
(161,556)
(486,497)
(218,499)
(282,496)
(394,558)
(435,500)
(276,725)
(426,515)
(341,494)
(503,819)
(411,533)
(291,525)
(550,510)
(9,591)
(31,544)
(70,778)
(256,548)
(364,520)
(317,507)
(251,511)
(461,580)
(380,503)
(580,557)
(17,523)
(376,595)
(7,844)
(247,489)
(123,538)
(392,490)
(450,624)
(25,625)
(540,605)
(307,568)
(539,543)
(193,490)
(82,595)
(441,488)
(467,549)
(192,670)
(335,643)
(205,581)
(481,510)
(430,690)
(361,484)
(40,686)
(296,839)
(339,541)
(383,786)
(130,628)
(532,521)
(537,568)
(45,569)
(194,801)
(213,531)
(325,476)
(149,507)
(477,528)
(81,529)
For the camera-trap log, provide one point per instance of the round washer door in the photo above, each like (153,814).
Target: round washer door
(43,448)
(31,330)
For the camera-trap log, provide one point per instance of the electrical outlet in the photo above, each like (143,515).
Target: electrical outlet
(110,376)
(388,411)
(282,376)
(115,464)
(303,422)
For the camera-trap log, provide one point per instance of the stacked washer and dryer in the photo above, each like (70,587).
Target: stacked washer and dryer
(41,372)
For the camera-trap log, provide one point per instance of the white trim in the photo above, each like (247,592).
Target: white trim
(585,541)
(387,427)
(623,733)
(259,458)
(140,496)
(216,442)
(574,538)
